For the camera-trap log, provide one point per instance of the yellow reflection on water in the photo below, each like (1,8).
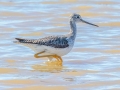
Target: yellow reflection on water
(32,34)
(49,66)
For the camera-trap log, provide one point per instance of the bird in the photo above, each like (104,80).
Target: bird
(54,46)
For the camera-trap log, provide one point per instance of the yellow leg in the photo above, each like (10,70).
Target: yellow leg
(58,58)
(55,56)
(43,56)
(37,54)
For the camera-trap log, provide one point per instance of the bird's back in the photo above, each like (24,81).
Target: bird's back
(52,41)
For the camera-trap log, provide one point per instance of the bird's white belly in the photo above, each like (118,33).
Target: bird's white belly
(52,51)
(49,50)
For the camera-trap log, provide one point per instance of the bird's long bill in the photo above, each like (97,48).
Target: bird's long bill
(89,23)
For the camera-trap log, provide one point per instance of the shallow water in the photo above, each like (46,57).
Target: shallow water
(93,63)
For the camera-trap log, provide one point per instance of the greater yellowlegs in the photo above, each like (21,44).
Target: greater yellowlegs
(54,46)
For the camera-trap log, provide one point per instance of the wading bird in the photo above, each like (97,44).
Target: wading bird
(54,46)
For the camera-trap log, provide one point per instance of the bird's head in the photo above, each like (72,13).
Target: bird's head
(77,18)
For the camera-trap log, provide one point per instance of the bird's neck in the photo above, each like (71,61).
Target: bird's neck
(73,29)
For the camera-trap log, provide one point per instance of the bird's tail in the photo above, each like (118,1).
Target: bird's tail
(26,42)
(19,40)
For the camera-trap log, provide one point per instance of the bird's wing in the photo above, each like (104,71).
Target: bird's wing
(53,41)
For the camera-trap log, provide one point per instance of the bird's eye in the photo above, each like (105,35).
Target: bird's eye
(77,16)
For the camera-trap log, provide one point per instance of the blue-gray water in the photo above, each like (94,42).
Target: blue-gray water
(93,63)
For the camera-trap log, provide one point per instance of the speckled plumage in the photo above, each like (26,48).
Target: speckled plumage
(52,41)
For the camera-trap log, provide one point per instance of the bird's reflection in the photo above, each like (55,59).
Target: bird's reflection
(49,66)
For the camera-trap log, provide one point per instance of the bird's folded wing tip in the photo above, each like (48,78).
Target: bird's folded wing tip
(18,38)
(17,41)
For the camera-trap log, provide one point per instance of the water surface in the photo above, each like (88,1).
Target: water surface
(93,63)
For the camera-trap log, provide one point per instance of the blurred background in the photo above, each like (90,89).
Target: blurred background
(93,63)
